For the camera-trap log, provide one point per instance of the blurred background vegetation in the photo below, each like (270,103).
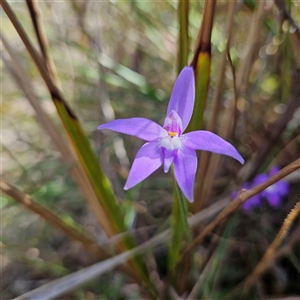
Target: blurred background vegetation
(118,59)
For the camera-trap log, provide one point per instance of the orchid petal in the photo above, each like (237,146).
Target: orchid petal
(173,123)
(185,165)
(140,127)
(251,203)
(274,200)
(283,187)
(274,170)
(260,178)
(148,159)
(168,159)
(183,96)
(208,141)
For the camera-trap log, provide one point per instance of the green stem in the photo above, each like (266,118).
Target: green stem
(183,211)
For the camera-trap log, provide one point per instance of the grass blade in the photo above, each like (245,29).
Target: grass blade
(183,43)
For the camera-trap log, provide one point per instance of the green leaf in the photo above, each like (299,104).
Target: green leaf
(183,51)
(202,77)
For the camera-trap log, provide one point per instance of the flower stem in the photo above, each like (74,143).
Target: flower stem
(183,211)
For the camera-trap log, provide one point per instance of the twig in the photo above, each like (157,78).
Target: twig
(270,254)
(291,149)
(243,196)
(289,245)
(35,15)
(35,56)
(201,279)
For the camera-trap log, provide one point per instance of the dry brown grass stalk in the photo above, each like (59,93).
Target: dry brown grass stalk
(243,196)
(36,18)
(205,157)
(270,254)
(204,36)
(290,150)
(32,51)
(287,248)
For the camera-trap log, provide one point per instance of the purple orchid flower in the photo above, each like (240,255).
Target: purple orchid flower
(254,201)
(167,144)
(273,194)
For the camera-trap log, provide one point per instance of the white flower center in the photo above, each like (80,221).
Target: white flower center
(171,143)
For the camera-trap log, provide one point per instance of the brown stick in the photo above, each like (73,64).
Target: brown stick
(55,93)
(35,15)
(243,196)
(270,254)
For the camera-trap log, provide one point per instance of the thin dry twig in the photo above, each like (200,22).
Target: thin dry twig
(35,15)
(34,55)
(270,254)
(290,150)
(199,283)
(287,248)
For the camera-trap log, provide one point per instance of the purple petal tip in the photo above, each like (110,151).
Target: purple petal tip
(190,200)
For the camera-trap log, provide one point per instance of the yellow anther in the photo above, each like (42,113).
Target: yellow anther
(172,134)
